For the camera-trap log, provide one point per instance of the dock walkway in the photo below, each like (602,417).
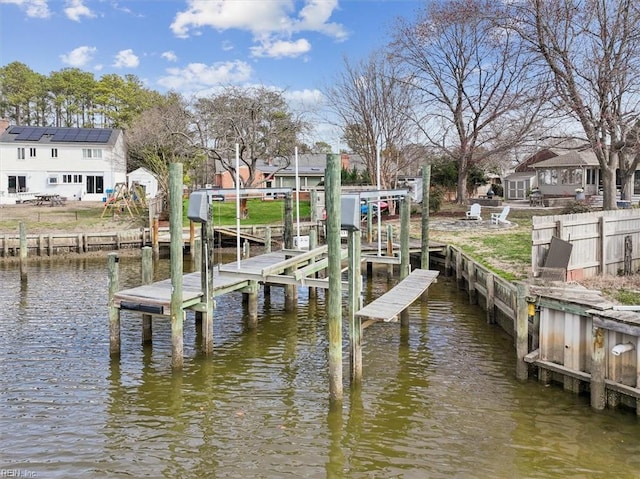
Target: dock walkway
(268,268)
(397,299)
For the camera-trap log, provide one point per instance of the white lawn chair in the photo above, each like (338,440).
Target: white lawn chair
(474,212)
(501,218)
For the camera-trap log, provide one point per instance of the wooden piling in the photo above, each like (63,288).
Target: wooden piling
(155,237)
(522,331)
(313,244)
(424,243)
(114,312)
(206,283)
(491,298)
(390,251)
(147,278)
(405,266)
(176,244)
(334,299)
(192,239)
(471,282)
(355,303)
(290,290)
(598,370)
(23,251)
(250,298)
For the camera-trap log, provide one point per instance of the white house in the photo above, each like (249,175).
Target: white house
(76,163)
(144,178)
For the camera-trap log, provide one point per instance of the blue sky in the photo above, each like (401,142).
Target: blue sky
(194,46)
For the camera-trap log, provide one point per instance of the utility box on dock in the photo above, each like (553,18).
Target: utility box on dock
(198,210)
(350,212)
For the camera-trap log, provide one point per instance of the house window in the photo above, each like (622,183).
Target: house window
(591,176)
(54,153)
(52,180)
(16,184)
(32,152)
(95,184)
(91,153)
(68,178)
(21,153)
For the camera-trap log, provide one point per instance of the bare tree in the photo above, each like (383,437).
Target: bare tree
(257,119)
(592,49)
(374,105)
(480,95)
(160,136)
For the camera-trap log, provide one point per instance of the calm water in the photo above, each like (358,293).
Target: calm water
(438,402)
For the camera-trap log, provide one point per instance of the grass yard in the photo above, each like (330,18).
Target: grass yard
(260,212)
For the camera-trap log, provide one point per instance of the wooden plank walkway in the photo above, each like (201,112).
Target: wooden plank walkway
(397,299)
(155,298)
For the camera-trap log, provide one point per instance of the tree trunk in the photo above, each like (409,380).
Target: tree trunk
(609,188)
(463,170)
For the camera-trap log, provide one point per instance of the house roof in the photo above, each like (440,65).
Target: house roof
(526,175)
(573,158)
(54,135)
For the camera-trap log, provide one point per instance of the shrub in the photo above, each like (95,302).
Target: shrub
(576,207)
(436,195)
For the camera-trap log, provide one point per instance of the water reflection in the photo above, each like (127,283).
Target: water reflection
(438,398)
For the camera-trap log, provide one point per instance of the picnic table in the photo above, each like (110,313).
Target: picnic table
(49,199)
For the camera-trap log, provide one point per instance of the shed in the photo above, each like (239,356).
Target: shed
(144,178)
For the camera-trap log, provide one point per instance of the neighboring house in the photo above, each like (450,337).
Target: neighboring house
(562,175)
(76,163)
(518,184)
(145,179)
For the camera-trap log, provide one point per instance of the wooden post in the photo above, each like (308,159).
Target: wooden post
(313,244)
(522,331)
(334,299)
(250,298)
(290,290)
(390,251)
(459,277)
(50,245)
(267,240)
(628,255)
(598,354)
(405,266)
(314,206)
(424,245)
(192,239)
(176,259)
(114,312)
(471,275)
(369,224)
(41,245)
(355,299)
(246,249)
(23,251)
(491,298)
(196,255)
(147,278)
(405,218)
(206,284)
(155,240)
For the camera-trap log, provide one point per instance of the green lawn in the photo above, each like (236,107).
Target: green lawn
(260,212)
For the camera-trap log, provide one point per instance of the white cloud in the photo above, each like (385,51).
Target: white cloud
(198,76)
(272,22)
(169,56)
(126,59)
(34,8)
(76,9)
(281,48)
(79,57)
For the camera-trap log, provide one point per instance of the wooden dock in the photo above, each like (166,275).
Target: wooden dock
(268,268)
(400,297)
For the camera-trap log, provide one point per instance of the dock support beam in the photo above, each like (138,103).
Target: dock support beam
(597,386)
(334,299)
(147,278)
(23,251)
(114,312)
(290,290)
(355,300)
(424,245)
(175,227)
(250,299)
(313,244)
(405,266)
(522,331)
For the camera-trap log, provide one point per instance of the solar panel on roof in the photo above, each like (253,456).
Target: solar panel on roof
(17,129)
(36,134)
(104,137)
